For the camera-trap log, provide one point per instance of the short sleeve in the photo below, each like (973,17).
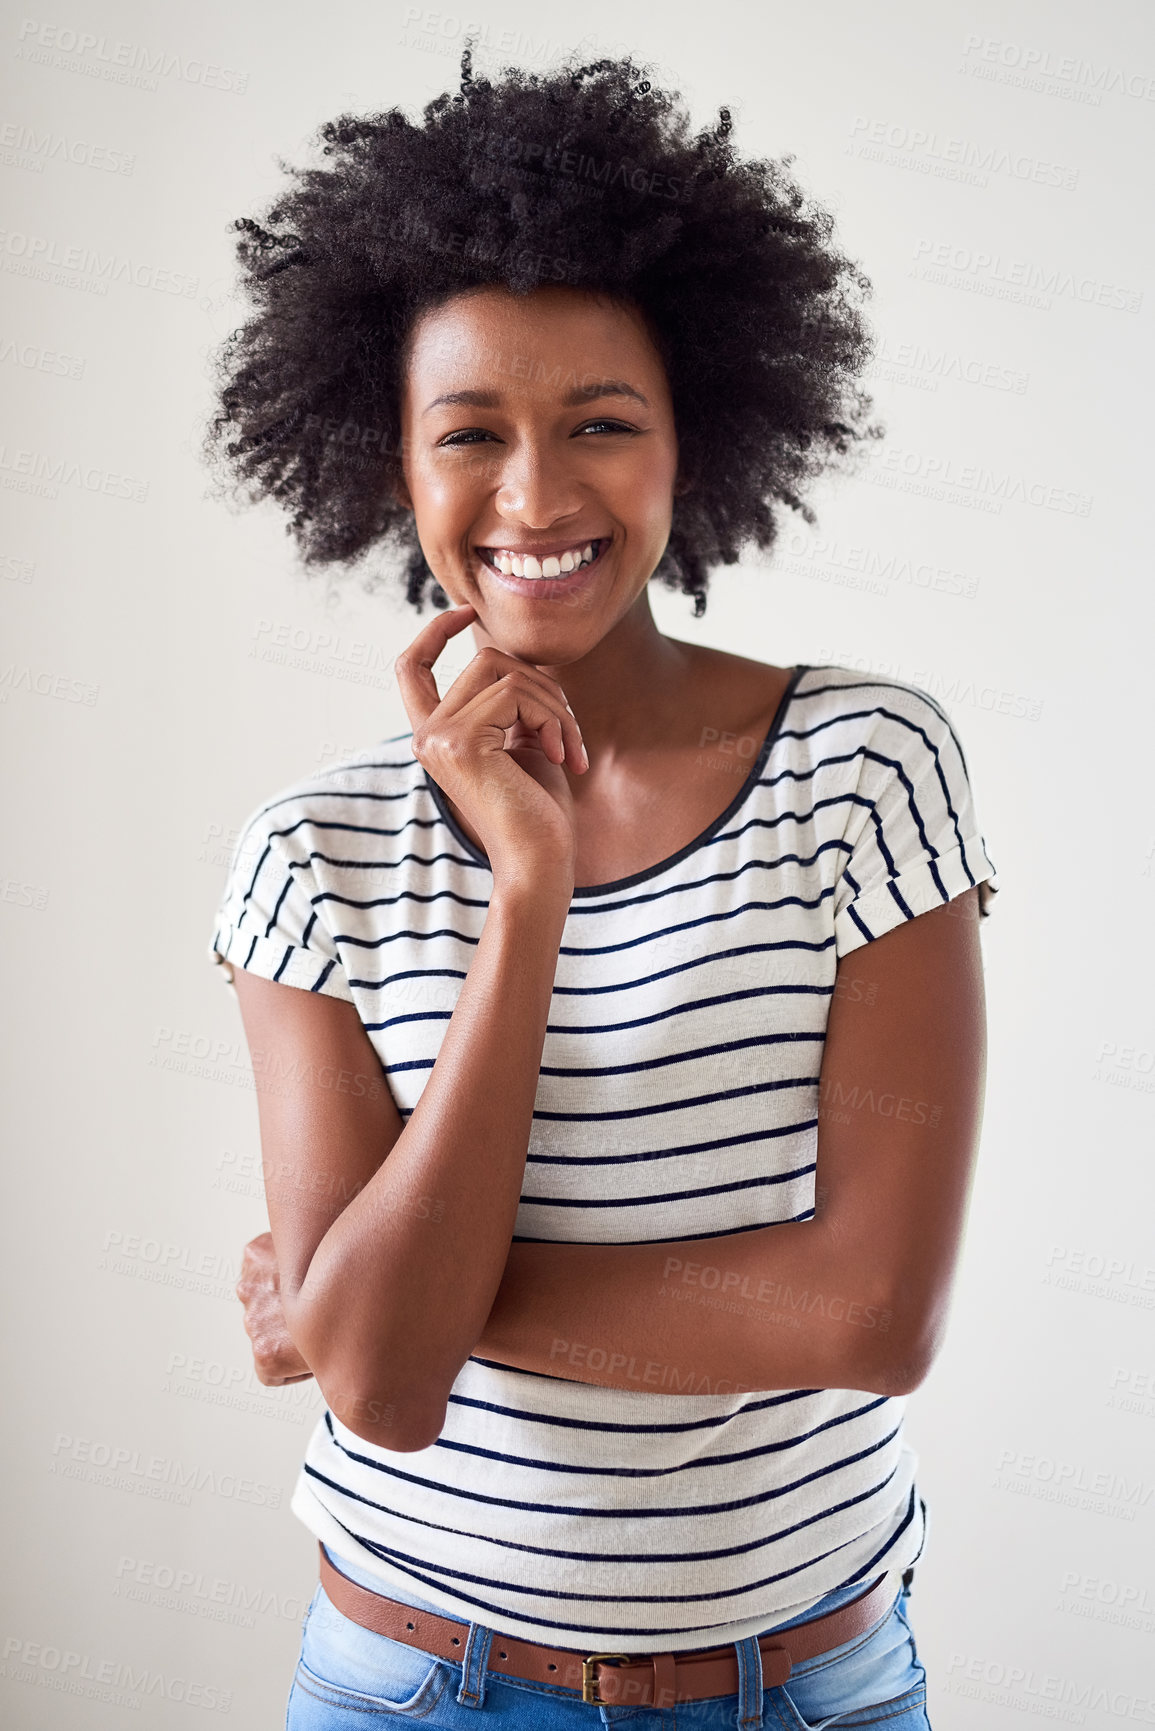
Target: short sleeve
(267,921)
(915,838)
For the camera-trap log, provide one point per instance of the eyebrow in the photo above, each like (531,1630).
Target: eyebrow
(580,394)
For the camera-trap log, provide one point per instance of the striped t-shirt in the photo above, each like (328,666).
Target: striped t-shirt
(677,1100)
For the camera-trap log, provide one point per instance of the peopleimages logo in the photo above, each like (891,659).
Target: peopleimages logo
(116,1682)
(22,146)
(926,151)
(992,488)
(24,254)
(119,62)
(1033,67)
(1003,1683)
(941,261)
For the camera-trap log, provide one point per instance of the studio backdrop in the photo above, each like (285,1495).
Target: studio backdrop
(168,664)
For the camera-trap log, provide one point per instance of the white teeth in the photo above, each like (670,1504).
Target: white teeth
(554,565)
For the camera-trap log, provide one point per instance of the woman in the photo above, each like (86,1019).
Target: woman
(628,956)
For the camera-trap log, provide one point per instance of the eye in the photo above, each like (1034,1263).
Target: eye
(467,436)
(610,426)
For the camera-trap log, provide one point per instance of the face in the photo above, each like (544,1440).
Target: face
(540,462)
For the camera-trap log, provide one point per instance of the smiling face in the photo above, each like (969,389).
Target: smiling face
(540,461)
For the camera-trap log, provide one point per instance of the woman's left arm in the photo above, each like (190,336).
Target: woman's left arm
(856,1297)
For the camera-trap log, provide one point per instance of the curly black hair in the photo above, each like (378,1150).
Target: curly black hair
(586,175)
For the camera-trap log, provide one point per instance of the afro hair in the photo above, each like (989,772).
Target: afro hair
(586,175)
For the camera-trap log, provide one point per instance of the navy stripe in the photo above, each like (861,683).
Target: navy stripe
(873,1563)
(398,1558)
(324,974)
(527,1415)
(272,925)
(688,1237)
(617,1598)
(635,901)
(860,922)
(791,1036)
(664,1196)
(745,1093)
(699,1052)
(736,1139)
(632,1510)
(643,979)
(817,991)
(642,1472)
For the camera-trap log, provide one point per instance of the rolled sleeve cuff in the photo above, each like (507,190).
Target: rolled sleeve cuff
(924,884)
(274,959)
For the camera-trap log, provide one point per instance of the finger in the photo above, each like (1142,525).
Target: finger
(413,668)
(486,668)
(514,700)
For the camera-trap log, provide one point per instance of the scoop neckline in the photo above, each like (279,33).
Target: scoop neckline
(690,847)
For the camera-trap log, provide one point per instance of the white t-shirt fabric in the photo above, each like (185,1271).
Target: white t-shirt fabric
(677,1100)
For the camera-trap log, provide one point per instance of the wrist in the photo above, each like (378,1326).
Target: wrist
(534,890)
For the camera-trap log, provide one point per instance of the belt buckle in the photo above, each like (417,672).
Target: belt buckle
(590,1682)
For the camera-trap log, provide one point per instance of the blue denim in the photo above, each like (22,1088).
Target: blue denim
(349,1677)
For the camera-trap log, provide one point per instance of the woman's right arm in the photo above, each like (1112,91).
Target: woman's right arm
(391,1239)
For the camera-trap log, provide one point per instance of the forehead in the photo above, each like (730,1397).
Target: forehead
(532,343)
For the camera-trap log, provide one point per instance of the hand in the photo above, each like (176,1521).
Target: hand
(498,744)
(276,1359)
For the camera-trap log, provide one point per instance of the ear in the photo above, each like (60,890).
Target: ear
(686,478)
(399,491)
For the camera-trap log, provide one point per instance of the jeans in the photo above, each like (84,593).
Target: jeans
(349,1677)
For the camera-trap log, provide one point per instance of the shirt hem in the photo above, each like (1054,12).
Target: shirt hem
(313,1514)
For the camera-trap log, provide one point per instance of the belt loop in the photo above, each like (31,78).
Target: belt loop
(749,1684)
(665,1681)
(474,1666)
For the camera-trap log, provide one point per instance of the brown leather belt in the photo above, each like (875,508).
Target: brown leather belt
(640,1679)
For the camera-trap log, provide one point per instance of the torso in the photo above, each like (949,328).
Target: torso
(661,801)
(678,1098)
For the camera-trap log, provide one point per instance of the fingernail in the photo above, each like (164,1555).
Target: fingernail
(571,711)
(585,755)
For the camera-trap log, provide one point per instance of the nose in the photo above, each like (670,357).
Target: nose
(536,489)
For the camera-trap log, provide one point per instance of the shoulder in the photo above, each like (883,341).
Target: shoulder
(882,714)
(360,789)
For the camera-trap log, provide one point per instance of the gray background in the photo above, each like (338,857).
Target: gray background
(167,666)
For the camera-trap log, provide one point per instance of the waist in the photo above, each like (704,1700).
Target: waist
(714,1636)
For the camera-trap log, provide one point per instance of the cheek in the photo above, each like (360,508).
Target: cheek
(444,494)
(651,494)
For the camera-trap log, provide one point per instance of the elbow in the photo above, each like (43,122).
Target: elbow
(904,1360)
(406,1430)
(403,1424)
(900,1375)
(386,1415)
